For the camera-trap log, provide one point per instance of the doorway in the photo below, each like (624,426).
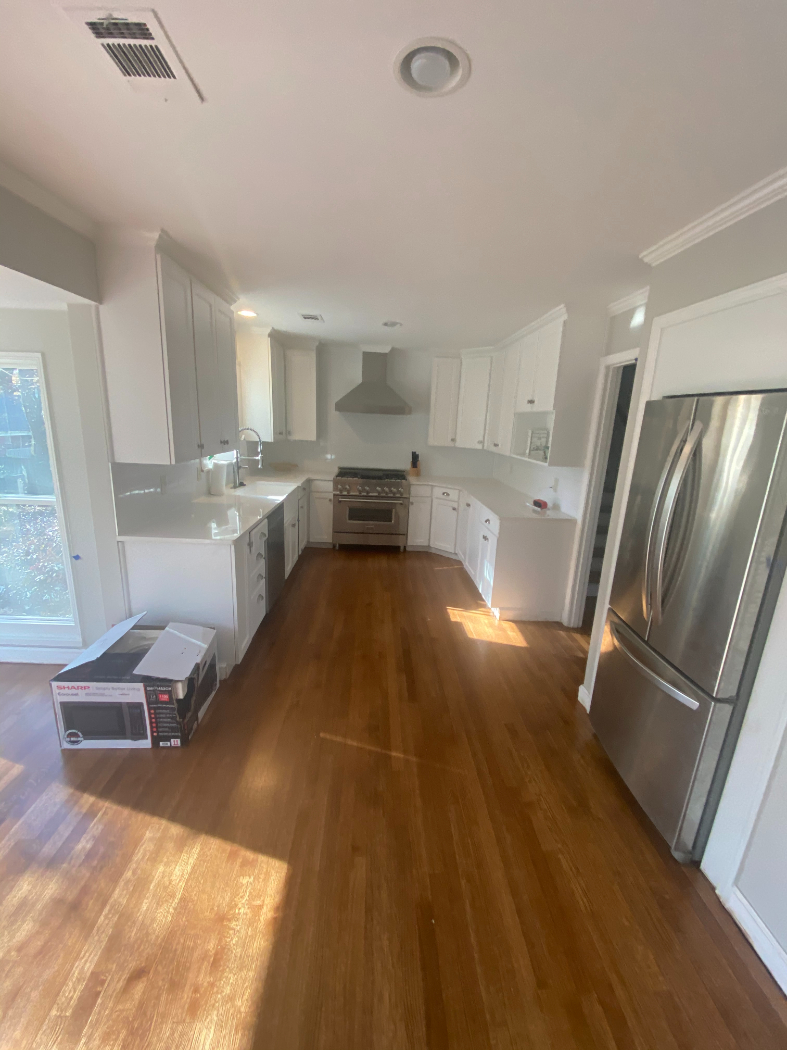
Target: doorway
(619,411)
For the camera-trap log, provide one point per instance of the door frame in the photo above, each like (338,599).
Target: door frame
(20,636)
(602,420)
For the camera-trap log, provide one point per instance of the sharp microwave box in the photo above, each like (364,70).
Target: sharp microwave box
(137,687)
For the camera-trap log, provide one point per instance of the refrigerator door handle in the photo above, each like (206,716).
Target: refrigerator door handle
(669,466)
(662,533)
(651,675)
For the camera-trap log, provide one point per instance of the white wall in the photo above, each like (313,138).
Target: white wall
(73,385)
(352,439)
(41,246)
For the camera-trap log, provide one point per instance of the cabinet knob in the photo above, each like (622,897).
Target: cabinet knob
(487,521)
(467,504)
(446,493)
(479,442)
(531,400)
(260,598)
(200,447)
(496,445)
(453,439)
(485,538)
(453,509)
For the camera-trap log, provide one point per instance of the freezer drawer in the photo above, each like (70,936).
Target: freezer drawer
(662,732)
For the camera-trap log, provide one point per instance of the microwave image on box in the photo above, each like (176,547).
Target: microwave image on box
(137,687)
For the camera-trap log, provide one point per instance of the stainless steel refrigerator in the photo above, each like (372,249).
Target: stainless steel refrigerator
(700,563)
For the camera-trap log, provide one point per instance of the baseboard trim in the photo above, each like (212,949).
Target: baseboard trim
(35,654)
(758,935)
(584,697)
(529,615)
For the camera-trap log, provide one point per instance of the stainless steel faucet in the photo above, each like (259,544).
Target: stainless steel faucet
(237,466)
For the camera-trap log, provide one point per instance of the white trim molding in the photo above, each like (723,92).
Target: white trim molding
(760,195)
(36,654)
(584,698)
(606,392)
(628,302)
(558,314)
(759,936)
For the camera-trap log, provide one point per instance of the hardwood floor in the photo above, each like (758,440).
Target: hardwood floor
(394,830)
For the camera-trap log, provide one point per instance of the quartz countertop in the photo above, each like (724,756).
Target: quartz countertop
(224,519)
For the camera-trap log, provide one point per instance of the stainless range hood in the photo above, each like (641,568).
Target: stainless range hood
(373,395)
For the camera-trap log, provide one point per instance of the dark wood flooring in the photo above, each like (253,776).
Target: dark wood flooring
(394,830)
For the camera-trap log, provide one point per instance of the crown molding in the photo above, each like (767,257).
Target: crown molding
(758,196)
(560,313)
(127,235)
(628,302)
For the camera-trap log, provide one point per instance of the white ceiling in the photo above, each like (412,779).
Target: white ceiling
(586,133)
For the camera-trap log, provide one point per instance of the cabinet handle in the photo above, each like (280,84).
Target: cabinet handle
(487,521)
(446,493)
(260,598)
(485,538)
(479,442)
(496,445)
(200,447)
(531,400)
(467,504)
(453,509)
(453,439)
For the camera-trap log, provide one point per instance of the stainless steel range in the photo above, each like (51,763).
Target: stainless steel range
(370,506)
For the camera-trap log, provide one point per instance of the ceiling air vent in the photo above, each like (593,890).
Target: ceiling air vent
(313,317)
(140,49)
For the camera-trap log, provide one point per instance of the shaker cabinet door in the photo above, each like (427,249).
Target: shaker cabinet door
(442,533)
(209,385)
(178,334)
(473,397)
(444,400)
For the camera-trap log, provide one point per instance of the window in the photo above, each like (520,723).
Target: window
(35,578)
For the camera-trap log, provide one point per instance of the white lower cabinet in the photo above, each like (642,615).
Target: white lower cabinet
(486,564)
(442,531)
(320,517)
(463,525)
(291,548)
(217,585)
(303,520)
(419,522)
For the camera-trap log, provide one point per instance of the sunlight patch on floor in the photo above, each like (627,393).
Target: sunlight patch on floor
(482,626)
(182,901)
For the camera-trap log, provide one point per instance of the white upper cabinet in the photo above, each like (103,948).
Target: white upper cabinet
(277,398)
(278,387)
(539,358)
(550,338)
(169,357)
(508,400)
(473,397)
(493,415)
(178,337)
(444,401)
(209,389)
(300,386)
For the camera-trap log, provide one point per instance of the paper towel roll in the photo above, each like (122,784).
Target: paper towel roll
(217,478)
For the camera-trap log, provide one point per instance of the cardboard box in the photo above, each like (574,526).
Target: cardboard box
(137,687)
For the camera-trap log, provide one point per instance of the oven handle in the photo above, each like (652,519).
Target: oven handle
(367,499)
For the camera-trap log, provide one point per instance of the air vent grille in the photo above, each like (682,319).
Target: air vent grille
(119,29)
(140,60)
(312,317)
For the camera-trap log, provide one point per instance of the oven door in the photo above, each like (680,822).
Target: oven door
(370,515)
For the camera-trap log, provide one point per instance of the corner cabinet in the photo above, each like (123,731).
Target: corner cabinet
(169,359)
(278,386)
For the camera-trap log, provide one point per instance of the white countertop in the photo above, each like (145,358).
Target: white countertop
(501,499)
(223,519)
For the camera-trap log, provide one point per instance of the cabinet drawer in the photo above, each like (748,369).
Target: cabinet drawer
(257,538)
(257,607)
(257,575)
(445,493)
(420,491)
(488,520)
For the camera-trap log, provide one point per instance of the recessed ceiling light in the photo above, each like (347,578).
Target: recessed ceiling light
(312,317)
(432,66)
(246,313)
(392,324)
